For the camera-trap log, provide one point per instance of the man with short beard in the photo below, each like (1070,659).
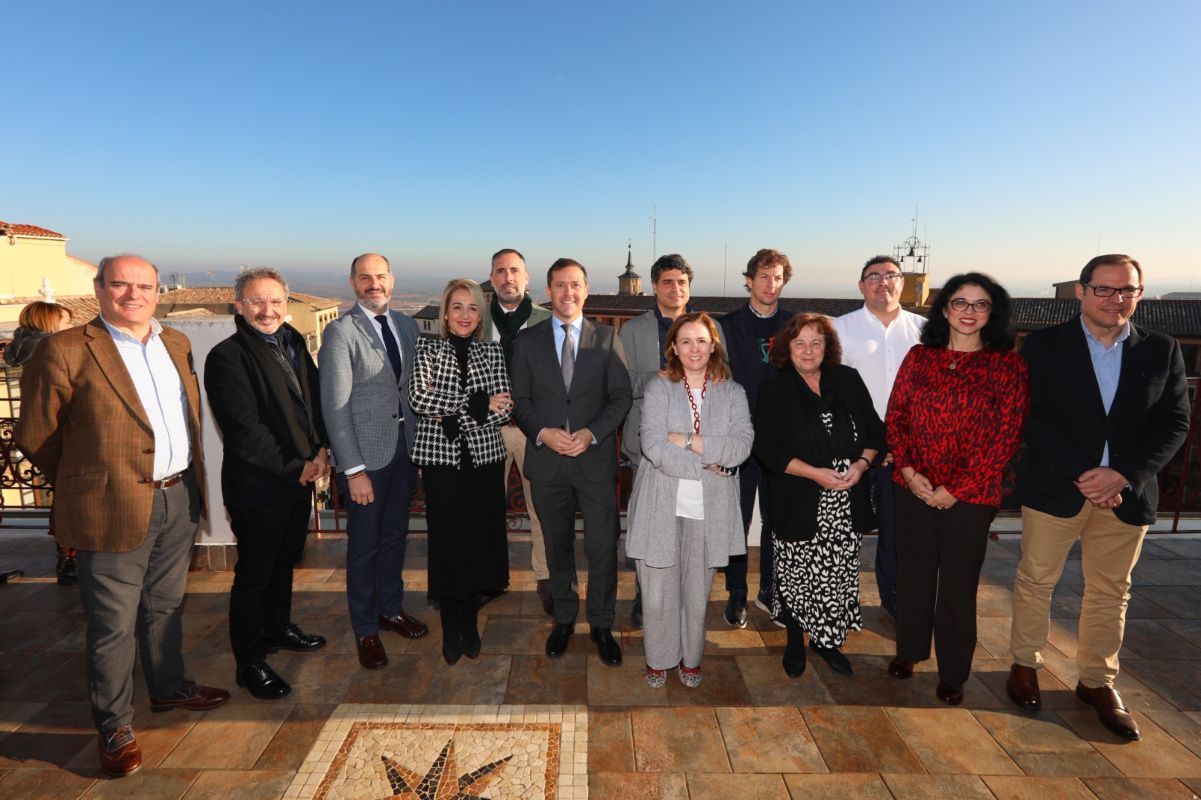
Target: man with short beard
(513,310)
(262,387)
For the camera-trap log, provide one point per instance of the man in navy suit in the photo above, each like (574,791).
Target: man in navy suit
(748,332)
(1108,410)
(571,390)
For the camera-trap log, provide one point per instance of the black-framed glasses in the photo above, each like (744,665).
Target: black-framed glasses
(1109,291)
(981,306)
(888,277)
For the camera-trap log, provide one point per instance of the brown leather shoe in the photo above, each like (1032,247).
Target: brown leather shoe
(1022,687)
(371,653)
(406,626)
(192,696)
(119,752)
(1110,711)
(900,668)
(949,694)
(548,603)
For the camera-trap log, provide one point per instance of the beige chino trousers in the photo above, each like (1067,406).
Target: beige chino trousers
(1109,550)
(515,447)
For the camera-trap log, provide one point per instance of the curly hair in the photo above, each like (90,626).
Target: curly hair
(995,334)
(778,353)
(719,367)
(765,259)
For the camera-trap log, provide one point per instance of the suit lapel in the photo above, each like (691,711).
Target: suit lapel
(1131,375)
(1080,370)
(104,350)
(367,329)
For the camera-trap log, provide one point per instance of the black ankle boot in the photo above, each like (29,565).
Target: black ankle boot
(470,627)
(452,640)
(794,651)
(834,657)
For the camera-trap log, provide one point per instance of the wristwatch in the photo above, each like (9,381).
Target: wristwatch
(688,441)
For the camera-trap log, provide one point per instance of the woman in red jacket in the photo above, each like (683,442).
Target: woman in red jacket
(954,420)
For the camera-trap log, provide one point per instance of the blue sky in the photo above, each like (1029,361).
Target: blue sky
(1030,136)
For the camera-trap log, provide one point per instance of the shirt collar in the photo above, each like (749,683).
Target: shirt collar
(1088,335)
(156,329)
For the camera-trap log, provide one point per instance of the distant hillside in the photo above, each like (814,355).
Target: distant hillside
(410,293)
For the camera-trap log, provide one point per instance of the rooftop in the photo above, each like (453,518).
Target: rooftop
(224,295)
(31,231)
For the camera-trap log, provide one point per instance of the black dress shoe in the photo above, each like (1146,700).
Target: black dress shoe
(560,637)
(900,668)
(951,695)
(294,639)
(834,657)
(262,681)
(735,613)
(606,646)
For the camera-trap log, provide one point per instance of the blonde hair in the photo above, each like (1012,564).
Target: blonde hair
(477,295)
(43,316)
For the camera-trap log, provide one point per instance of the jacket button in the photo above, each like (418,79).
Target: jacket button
(393,416)
(148,450)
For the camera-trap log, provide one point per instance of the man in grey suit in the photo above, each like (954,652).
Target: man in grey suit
(643,338)
(512,310)
(571,391)
(366,361)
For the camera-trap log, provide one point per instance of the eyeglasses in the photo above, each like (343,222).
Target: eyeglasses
(1109,291)
(982,306)
(258,302)
(887,277)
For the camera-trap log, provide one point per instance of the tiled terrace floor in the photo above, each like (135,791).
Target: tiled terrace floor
(747,732)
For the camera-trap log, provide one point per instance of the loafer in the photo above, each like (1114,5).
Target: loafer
(949,694)
(1022,687)
(900,668)
(261,681)
(735,613)
(1110,710)
(371,653)
(834,657)
(794,669)
(548,603)
(606,646)
(192,696)
(636,612)
(119,752)
(293,639)
(560,637)
(406,626)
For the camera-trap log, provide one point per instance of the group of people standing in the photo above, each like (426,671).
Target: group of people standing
(878,419)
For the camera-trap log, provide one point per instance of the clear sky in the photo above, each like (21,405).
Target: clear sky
(1029,135)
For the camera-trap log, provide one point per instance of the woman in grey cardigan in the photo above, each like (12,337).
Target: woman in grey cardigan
(684,518)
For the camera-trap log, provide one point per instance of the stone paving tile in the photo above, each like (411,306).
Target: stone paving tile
(1138,788)
(13,714)
(1010,788)
(320,677)
(48,784)
(233,736)
(624,685)
(1176,601)
(721,685)
(935,787)
(527,636)
(540,680)
(1043,744)
(707,786)
(610,740)
(678,740)
(472,681)
(157,734)
(1155,572)
(406,679)
(857,739)
(49,737)
(262,784)
(637,785)
(205,632)
(1157,755)
(840,786)
(1147,639)
(1177,682)
(1189,629)
(42,677)
(291,743)
(994,672)
(146,784)
(767,684)
(42,630)
(951,741)
(1184,727)
(769,740)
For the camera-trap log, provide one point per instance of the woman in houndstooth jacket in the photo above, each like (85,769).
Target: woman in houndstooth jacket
(460,392)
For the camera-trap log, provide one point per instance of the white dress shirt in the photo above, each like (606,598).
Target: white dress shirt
(877,351)
(161,392)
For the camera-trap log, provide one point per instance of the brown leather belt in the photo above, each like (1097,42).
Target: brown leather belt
(168,481)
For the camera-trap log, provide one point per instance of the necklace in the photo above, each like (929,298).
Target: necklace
(696,413)
(957,356)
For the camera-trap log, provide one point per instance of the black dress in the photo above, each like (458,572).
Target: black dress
(465,513)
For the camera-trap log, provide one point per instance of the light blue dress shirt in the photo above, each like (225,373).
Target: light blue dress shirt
(1107,366)
(161,392)
(576,328)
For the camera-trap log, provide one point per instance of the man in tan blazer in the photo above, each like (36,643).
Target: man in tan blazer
(111,416)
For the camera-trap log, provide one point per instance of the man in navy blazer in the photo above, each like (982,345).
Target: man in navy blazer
(366,362)
(748,332)
(1108,409)
(571,390)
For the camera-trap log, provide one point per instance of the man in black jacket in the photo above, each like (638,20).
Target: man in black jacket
(263,389)
(1108,410)
(748,332)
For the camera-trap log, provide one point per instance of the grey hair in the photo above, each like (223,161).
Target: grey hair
(258,273)
(107,261)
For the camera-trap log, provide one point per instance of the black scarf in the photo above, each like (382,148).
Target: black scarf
(509,323)
(295,410)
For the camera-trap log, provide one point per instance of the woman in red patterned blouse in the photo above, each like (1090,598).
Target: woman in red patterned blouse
(954,420)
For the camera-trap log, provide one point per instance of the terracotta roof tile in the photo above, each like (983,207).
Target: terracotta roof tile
(224,295)
(15,229)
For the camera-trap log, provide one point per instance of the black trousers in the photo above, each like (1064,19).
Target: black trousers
(751,480)
(270,542)
(939,555)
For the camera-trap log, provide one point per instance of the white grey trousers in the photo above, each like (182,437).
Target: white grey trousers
(674,601)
